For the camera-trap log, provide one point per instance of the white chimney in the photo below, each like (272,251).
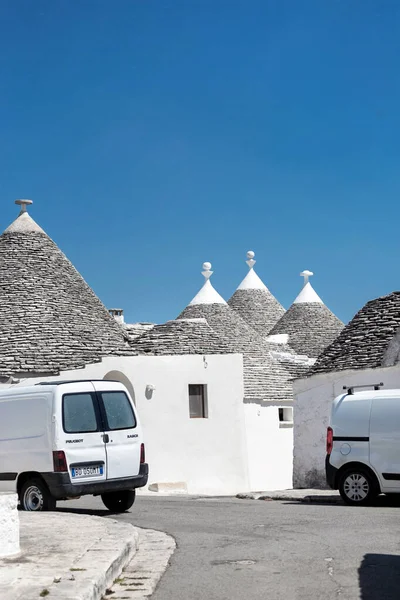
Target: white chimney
(118,314)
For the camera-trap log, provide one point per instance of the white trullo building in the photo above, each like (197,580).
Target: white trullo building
(213,391)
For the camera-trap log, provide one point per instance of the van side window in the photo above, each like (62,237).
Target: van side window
(118,411)
(79,415)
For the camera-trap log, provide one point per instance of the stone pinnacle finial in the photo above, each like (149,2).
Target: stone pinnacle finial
(207,270)
(306,274)
(23,204)
(250,256)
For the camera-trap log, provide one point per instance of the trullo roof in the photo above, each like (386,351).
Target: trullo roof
(50,319)
(254,302)
(309,324)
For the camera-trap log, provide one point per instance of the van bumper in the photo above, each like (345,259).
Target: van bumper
(330,473)
(60,485)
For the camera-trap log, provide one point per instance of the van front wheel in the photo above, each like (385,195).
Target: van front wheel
(357,487)
(119,502)
(35,496)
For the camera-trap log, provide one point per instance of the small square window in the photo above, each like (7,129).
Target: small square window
(198,408)
(286,416)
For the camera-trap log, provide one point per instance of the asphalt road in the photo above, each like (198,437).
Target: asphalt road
(232,549)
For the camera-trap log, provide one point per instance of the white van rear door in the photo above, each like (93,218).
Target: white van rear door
(80,433)
(385,440)
(121,428)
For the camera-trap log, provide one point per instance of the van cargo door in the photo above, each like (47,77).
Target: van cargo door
(81,436)
(385,441)
(123,433)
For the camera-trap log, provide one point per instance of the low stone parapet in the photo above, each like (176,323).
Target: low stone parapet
(9,525)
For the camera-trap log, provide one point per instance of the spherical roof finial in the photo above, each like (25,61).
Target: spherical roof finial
(206,272)
(250,259)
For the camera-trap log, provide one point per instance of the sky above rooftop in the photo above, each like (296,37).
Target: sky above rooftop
(153,136)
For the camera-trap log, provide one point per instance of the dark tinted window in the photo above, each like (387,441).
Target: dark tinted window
(79,415)
(118,410)
(198,402)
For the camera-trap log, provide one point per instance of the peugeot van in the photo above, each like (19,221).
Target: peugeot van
(62,440)
(363,445)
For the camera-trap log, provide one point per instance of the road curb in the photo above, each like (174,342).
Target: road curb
(321,498)
(92,574)
(141,576)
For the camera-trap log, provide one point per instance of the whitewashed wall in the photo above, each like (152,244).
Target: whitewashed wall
(269,447)
(9,525)
(312,409)
(207,455)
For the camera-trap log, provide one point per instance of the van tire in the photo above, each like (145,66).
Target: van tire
(119,502)
(35,496)
(358,487)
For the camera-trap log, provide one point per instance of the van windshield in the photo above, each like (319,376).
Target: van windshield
(118,411)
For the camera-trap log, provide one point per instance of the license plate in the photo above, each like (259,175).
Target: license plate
(78,472)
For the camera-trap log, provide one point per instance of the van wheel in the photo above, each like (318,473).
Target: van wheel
(357,486)
(35,496)
(119,502)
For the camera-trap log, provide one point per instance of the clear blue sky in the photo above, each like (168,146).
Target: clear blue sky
(155,135)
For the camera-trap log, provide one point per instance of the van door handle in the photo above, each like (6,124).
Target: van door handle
(106,438)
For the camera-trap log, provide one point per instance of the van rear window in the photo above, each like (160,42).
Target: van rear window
(79,415)
(118,410)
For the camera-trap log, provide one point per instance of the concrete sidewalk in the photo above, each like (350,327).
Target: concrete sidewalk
(67,556)
(311,496)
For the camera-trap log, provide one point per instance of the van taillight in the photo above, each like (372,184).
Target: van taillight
(142,454)
(329,440)
(59,462)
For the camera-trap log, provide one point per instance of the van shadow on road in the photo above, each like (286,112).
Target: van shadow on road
(379,577)
(87,511)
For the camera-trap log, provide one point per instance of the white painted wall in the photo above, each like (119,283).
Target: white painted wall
(9,525)
(208,455)
(269,447)
(312,409)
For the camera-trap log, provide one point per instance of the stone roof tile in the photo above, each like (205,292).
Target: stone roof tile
(183,336)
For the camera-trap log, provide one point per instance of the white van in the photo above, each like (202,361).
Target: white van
(67,439)
(363,445)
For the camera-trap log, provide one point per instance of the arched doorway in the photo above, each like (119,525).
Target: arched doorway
(118,376)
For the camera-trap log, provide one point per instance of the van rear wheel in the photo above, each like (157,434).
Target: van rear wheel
(119,502)
(34,496)
(358,487)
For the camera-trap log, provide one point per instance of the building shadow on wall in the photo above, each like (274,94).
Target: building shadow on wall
(379,577)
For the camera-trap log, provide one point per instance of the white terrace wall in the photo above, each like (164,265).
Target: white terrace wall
(312,409)
(269,446)
(207,455)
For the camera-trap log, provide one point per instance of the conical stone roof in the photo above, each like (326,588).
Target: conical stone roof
(183,336)
(254,302)
(50,319)
(264,377)
(369,341)
(308,323)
